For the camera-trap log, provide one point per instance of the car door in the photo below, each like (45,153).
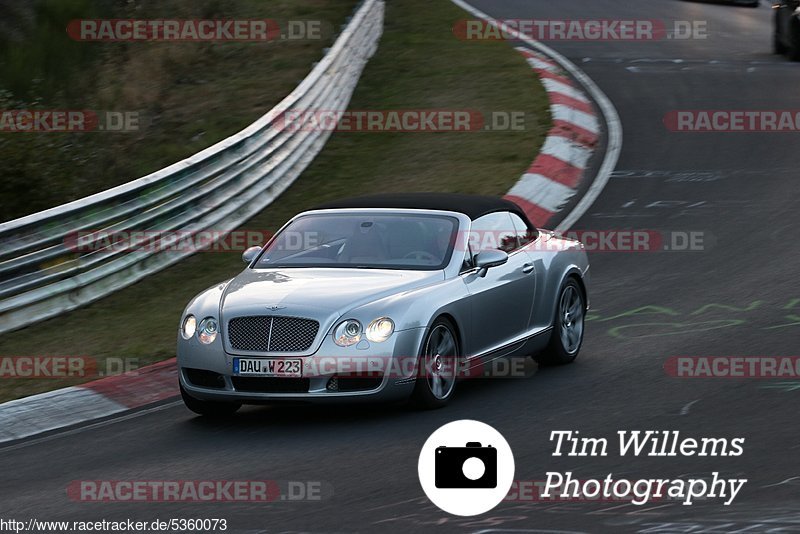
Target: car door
(502,301)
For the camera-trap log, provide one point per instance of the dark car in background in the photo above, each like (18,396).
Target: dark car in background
(787,28)
(746,3)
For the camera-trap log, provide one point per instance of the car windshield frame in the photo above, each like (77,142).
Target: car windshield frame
(376,214)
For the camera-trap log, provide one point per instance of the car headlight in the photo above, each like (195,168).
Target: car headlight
(188,327)
(380,329)
(347,333)
(207,332)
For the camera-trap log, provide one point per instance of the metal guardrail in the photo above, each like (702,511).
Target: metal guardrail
(42,274)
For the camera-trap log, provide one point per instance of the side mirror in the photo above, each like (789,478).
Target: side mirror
(489,258)
(249,254)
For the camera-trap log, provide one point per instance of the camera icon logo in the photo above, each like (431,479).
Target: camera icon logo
(462,475)
(472,466)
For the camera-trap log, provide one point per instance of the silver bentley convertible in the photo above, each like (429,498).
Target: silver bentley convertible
(385,297)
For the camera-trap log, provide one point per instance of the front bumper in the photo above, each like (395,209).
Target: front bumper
(370,372)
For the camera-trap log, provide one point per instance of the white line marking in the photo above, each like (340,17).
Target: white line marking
(567,151)
(542,65)
(605,510)
(554,86)
(685,409)
(584,120)
(527,52)
(781,483)
(675,61)
(542,191)
(645,511)
(606,107)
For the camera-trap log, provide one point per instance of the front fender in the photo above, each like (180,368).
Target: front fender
(204,304)
(418,308)
(558,259)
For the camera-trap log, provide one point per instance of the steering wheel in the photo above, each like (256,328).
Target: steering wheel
(421,255)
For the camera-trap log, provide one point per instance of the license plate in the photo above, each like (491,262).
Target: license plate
(267,367)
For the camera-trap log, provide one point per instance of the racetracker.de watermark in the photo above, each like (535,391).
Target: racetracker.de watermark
(632,240)
(60,367)
(580,30)
(733,120)
(211,240)
(218,491)
(67,120)
(607,240)
(346,368)
(198,30)
(783,367)
(400,120)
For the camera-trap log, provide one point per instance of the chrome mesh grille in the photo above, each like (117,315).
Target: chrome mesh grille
(266,333)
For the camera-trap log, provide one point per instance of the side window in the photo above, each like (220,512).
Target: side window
(493,231)
(524,234)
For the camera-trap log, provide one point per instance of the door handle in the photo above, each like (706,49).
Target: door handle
(527,268)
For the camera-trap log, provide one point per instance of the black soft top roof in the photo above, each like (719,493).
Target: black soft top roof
(473,206)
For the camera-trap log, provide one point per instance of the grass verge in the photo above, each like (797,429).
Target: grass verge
(419,65)
(185,95)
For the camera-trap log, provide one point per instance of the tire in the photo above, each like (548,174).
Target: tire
(208,408)
(568,326)
(438,362)
(777,45)
(794,48)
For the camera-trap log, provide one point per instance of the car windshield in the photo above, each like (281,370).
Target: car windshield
(363,240)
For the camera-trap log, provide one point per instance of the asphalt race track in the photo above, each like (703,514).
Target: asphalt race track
(736,296)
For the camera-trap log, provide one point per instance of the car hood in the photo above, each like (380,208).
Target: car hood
(321,294)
